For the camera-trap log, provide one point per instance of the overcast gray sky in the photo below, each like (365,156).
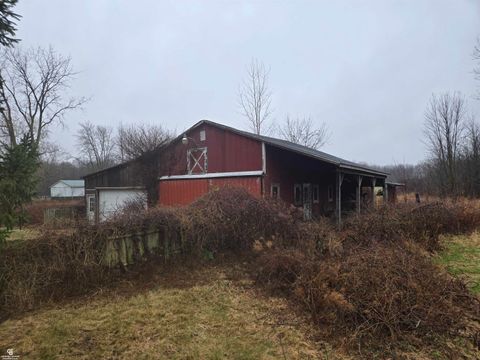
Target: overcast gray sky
(367,68)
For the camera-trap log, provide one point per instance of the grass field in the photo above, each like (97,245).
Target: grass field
(461,257)
(205,315)
(204,312)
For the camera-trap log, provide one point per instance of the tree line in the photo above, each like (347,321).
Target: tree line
(452,137)
(99,147)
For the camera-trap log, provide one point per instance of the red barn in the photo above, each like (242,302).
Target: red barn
(210,155)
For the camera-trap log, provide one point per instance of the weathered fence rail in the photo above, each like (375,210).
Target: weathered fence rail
(135,247)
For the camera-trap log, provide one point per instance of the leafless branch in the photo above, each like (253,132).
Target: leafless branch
(96,145)
(303,131)
(254,96)
(135,141)
(476,58)
(444,129)
(33,92)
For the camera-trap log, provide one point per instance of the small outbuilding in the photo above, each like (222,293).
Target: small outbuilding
(68,189)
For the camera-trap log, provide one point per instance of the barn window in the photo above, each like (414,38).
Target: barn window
(330,193)
(297,194)
(275,191)
(91,203)
(315,194)
(197,161)
(202,135)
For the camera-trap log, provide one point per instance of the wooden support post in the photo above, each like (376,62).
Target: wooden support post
(339,197)
(374,196)
(358,194)
(385,193)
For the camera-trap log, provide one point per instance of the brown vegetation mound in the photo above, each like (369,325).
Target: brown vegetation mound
(374,279)
(56,266)
(382,290)
(422,224)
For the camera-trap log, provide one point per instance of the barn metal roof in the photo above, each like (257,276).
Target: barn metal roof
(72,183)
(300,149)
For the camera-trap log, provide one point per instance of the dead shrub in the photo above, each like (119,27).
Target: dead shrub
(232,219)
(422,224)
(56,266)
(385,290)
(49,268)
(373,279)
(225,219)
(278,270)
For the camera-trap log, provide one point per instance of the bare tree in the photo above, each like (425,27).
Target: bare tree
(444,128)
(471,160)
(96,145)
(135,141)
(476,58)
(303,131)
(33,93)
(254,96)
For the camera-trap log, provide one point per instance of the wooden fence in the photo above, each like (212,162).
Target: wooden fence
(133,248)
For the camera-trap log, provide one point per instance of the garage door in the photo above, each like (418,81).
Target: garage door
(111,201)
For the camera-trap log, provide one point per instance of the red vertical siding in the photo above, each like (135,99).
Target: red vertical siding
(226,152)
(241,153)
(251,184)
(183,192)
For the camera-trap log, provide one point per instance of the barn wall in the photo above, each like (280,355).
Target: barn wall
(142,172)
(392,193)
(287,168)
(226,152)
(183,192)
(119,176)
(252,184)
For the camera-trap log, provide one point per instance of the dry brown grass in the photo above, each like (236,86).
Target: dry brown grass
(25,234)
(372,287)
(211,313)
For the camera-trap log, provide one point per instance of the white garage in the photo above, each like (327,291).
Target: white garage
(113,200)
(67,189)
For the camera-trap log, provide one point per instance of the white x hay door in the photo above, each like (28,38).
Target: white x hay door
(197,161)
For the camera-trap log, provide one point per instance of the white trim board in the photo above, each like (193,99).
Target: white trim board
(213,175)
(103,188)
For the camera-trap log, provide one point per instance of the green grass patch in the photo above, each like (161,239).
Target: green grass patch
(461,257)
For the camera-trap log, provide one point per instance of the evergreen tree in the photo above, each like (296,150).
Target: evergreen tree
(18,166)
(7,22)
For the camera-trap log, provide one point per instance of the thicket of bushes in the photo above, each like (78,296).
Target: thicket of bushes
(375,280)
(372,280)
(57,266)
